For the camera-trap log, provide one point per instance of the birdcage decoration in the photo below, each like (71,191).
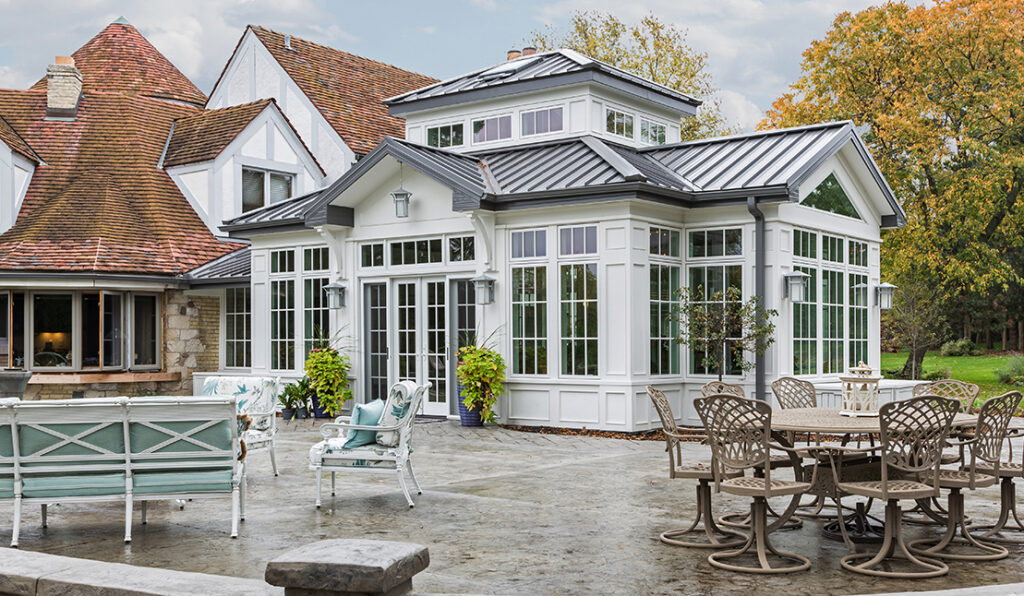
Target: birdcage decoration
(860,391)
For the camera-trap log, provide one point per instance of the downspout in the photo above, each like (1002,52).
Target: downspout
(759,290)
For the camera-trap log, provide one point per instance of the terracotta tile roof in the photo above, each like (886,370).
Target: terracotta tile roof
(347,89)
(120,60)
(100,204)
(17,144)
(202,136)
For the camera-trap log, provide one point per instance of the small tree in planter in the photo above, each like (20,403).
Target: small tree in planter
(327,371)
(722,322)
(295,399)
(481,371)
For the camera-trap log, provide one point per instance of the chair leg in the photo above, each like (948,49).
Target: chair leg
(955,521)
(416,483)
(758,544)
(333,493)
(273,458)
(1007,507)
(42,514)
(892,540)
(145,510)
(710,529)
(235,510)
(128,518)
(16,530)
(319,481)
(405,489)
(241,499)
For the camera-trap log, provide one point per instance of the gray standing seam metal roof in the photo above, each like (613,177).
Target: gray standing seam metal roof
(232,267)
(534,67)
(768,164)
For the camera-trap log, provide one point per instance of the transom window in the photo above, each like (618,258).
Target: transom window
(618,123)
(577,240)
(664,242)
(416,252)
(652,133)
(805,244)
(448,135)
(264,187)
(461,248)
(527,244)
(541,121)
(282,261)
(492,129)
(315,259)
(716,243)
(373,255)
(830,196)
(858,253)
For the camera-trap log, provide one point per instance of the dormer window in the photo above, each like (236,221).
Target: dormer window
(652,133)
(449,135)
(264,187)
(492,129)
(543,121)
(619,123)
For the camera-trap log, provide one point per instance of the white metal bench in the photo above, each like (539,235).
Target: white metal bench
(120,449)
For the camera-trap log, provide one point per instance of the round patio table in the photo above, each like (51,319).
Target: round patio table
(828,421)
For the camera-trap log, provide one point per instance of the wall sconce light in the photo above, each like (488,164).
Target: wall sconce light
(484,286)
(795,286)
(883,295)
(400,195)
(335,295)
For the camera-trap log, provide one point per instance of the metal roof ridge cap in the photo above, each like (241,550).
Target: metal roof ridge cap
(488,175)
(693,186)
(628,171)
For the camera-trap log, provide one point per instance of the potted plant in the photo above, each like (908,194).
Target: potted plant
(287,401)
(327,371)
(481,373)
(294,400)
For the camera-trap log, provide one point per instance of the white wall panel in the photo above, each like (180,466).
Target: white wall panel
(579,407)
(615,407)
(527,404)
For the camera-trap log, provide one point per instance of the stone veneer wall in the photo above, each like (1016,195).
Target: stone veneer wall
(191,338)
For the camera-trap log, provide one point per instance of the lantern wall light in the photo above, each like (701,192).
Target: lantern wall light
(795,286)
(335,295)
(400,195)
(484,286)
(883,295)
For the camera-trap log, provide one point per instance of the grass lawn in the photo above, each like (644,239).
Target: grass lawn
(980,370)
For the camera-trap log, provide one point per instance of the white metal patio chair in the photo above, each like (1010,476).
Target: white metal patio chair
(257,398)
(390,452)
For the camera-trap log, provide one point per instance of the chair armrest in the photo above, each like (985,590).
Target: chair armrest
(327,427)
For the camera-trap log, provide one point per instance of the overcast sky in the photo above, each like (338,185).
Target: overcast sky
(753,46)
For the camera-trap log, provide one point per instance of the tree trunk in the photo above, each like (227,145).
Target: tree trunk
(988,337)
(1020,336)
(1006,337)
(912,367)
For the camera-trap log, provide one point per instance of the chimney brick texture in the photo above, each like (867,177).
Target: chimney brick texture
(63,89)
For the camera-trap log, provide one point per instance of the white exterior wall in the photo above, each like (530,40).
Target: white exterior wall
(253,74)
(213,188)
(15,174)
(583,112)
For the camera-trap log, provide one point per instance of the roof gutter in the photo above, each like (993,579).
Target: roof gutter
(172,281)
(759,291)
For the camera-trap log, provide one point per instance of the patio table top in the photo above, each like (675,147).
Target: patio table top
(830,421)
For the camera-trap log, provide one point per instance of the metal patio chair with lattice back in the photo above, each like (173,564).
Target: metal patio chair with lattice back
(739,431)
(702,473)
(913,433)
(718,388)
(985,449)
(963,392)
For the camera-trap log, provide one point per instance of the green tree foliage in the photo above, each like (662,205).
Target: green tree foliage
(651,49)
(936,92)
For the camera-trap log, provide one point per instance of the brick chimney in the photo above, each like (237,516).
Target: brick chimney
(63,88)
(513,54)
(529,51)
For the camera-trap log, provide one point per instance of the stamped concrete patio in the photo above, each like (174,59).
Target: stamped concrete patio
(502,512)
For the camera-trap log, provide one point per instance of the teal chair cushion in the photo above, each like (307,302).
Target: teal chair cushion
(367,414)
(72,485)
(185,481)
(7,488)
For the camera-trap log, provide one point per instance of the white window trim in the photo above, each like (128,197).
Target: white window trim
(280,169)
(224,334)
(649,122)
(624,111)
(545,108)
(426,133)
(511,129)
(534,259)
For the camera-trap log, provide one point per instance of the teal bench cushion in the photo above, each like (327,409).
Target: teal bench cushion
(73,485)
(367,414)
(185,481)
(7,488)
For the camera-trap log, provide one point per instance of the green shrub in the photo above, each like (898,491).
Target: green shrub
(958,347)
(1013,374)
(937,375)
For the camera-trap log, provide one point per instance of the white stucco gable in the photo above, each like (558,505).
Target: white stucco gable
(252,73)
(15,175)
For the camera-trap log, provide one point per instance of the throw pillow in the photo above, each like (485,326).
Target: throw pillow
(367,414)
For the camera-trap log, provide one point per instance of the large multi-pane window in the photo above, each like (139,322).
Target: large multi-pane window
(316,326)
(282,310)
(578,302)
(237,328)
(830,328)
(709,285)
(529,320)
(664,328)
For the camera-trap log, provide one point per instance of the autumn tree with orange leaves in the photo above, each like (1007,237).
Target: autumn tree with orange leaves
(938,95)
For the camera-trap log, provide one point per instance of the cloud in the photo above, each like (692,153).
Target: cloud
(488,5)
(429,29)
(739,110)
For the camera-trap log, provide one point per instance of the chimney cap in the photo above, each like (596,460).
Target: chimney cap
(64,60)
(513,54)
(529,51)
